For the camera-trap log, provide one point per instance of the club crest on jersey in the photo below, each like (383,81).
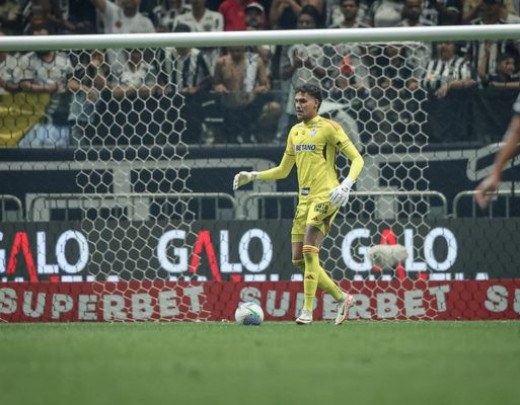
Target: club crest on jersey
(313,131)
(305,148)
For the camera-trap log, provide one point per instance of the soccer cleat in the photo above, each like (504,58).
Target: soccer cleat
(342,308)
(305,318)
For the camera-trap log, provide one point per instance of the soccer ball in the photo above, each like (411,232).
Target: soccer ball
(249,313)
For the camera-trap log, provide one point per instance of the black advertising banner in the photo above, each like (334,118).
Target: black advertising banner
(447,249)
(470,115)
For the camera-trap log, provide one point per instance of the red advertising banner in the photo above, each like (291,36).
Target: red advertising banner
(216,301)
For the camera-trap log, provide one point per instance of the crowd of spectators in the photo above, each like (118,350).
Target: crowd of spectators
(248,87)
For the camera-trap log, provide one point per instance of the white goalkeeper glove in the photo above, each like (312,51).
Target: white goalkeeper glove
(243,178)
(339,195)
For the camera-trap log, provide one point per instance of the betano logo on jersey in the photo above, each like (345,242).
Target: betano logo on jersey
(304,148)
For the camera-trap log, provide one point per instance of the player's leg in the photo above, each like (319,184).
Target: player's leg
(297,234)
(312,244)
(318,216)
(297,237)
(324,281)
(318,224)
(311,276)
(297,256)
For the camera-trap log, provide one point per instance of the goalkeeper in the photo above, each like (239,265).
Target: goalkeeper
(312,145)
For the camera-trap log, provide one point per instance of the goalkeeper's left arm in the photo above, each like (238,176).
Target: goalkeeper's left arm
(279,172)
(339,195)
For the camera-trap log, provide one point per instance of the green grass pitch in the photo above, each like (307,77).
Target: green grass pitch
(360,362)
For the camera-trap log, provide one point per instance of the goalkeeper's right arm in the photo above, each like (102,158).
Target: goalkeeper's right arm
(279,172)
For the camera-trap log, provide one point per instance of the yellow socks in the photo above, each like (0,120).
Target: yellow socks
(311,276)
(310,266)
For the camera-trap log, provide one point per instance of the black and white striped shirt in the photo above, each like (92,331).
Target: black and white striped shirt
(439,72)
(187,71)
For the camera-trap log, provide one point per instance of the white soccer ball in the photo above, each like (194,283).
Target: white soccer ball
(249,313)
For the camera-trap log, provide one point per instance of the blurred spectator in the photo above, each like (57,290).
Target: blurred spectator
(10,16)
(136,108)
(284,13)
(66,16)
(267,122)
(346,83)
(138,78)
(349,71)
(300,63)
(412,15)
(241,79)
(146,7)
(82,15)
(447,74)
(189,73)
(473,9)
(417,53)
(47,73)
(201,19)
(89,80)
(164,14)
(121,19)
(393,92)
(488,12)
(349,10)
(255,16)
(256,20)
(44,12)
(384,13)
(234,14)
(447,71)
(443,12)
(483,54)
(506,76)
(8,64)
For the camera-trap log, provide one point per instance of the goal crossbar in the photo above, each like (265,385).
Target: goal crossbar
(275,37)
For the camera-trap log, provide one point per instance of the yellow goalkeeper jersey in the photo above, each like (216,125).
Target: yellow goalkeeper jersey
(312,146)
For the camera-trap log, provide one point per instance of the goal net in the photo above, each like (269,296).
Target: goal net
(145,225)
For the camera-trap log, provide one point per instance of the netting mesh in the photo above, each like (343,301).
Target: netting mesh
(157,211)
(136,111)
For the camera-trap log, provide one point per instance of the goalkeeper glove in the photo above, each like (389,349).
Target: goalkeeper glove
(243,178)
(339,195)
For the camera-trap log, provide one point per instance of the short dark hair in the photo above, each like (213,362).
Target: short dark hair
(313,12)
(311,89)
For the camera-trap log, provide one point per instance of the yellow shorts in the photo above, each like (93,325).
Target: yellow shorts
(319,214)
